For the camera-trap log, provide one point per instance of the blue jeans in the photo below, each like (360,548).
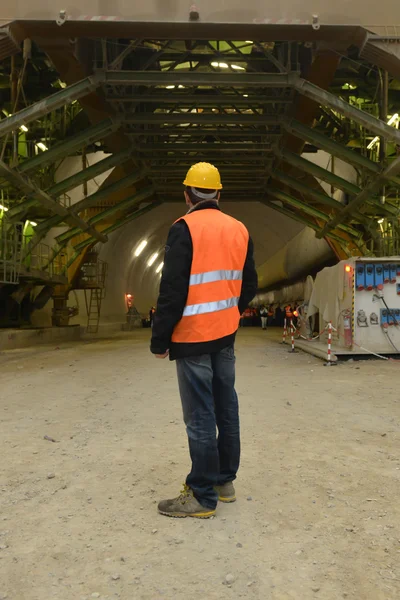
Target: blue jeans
(209,401)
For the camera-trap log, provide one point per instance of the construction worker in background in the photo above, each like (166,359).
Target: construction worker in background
(152,312)
(270,315)
(208,280)
(264,317)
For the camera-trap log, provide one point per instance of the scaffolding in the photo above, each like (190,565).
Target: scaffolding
(92,279)
(10,251)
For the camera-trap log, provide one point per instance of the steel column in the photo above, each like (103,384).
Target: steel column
(45,106)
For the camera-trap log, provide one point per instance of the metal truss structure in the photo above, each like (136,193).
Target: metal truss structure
(255,108)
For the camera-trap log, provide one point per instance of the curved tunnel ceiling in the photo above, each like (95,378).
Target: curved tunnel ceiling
(266,112)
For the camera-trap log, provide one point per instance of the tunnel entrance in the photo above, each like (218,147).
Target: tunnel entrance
(102,120)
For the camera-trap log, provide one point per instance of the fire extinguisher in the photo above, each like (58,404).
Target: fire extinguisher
(348,336)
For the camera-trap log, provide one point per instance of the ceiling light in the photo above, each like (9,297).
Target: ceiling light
(238,68)
(152,259)
(249,42)
(245,95)
(220,65)
(170,87)
(42,146)
(24,128)
(160,266)
(181,87)
(380,221)
(3,208)
(140,248)
(33,223)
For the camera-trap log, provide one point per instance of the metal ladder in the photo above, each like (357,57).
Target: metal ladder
(93,309)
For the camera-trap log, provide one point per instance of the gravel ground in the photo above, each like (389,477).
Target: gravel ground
(317,515)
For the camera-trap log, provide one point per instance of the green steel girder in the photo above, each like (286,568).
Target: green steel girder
(93,199)
(62,149)
(326,98)
(197,78)
(339,150)
(47,105)
(301,219)
(90,172)
(193,132)
(375,185)
(314,212)
(331,178)
(25,185)
(120,223)
(199,118)
(75,180)
(317,171)
(203,146)
(201,100)
(123,205)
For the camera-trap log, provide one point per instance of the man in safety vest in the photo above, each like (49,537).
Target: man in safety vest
(208,280)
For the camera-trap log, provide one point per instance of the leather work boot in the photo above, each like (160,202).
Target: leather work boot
(226,492)
(185,505)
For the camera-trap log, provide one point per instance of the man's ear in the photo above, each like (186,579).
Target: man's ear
(187,199)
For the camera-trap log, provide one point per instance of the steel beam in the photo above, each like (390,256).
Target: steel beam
(328,99)
(193,132)
(62,149)
(75,180)
(197,78)
(120,223)
(47,105)
(90,172)
(304,189)
(199,118)
(25,185)
(95,198)
(300,219)
(318,172)
(200,100)
(310,135)
(203,147)
(393,170)
(310,210)
(135,199)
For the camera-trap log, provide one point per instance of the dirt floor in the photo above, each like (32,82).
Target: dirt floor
(318,512)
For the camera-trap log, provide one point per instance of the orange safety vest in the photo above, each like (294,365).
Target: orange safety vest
(220,246)
(289,313)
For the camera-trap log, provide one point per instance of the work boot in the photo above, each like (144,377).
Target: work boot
(226,492)
(185,505)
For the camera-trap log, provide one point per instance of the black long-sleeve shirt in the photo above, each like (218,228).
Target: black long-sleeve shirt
(174,291)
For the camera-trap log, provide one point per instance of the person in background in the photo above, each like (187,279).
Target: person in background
(264,317)
(208,280)
(152,312)
(271,315)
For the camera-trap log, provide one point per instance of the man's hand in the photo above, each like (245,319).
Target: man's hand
(162,355)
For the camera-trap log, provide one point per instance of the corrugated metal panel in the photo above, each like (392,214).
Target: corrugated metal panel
(8,44)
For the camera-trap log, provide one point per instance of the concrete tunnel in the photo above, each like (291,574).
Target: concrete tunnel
(95,162)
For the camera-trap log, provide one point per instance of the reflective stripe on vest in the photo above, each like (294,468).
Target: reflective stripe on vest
(212,276)
(208,307)
(220,245)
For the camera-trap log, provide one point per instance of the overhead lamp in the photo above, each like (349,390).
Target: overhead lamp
(42,146)
(3,208)
(249,42)
(140,248)
(24,128)
(380,221)
(170,87)
(238,68)
(160,266)
(245,95)
(220,65)
(33,223)
(152,259)
(391,121)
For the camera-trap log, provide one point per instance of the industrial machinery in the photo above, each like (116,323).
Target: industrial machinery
(361,297)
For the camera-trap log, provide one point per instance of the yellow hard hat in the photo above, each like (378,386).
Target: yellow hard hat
(203,176)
